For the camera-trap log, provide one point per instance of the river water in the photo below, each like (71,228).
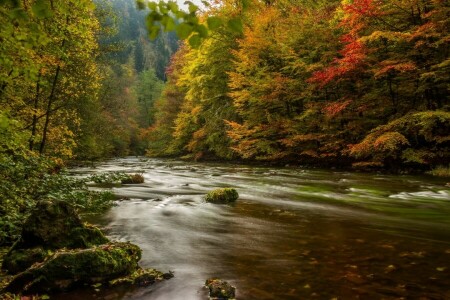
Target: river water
(292,234)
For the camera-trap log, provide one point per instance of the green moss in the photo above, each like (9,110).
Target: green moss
(19,260)
(141,277)
(87,236)
(224,195)
(52,225)
(69,268)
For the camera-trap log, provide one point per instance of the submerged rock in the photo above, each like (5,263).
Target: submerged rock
(57,252)
(220,289)
(221,196)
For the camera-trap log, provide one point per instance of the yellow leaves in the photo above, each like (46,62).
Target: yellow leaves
(393,36)
(390,142)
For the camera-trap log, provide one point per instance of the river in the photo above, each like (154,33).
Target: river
(292,234)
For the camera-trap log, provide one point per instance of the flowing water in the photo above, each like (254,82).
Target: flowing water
(293,234)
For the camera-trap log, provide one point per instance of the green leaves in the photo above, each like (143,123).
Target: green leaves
(183,30)
(195,41)
(140,4)
(214,23)
(41,9)
(236,25)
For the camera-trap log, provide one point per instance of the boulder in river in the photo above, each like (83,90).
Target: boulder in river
(57,252)
(222,196)
(220,289)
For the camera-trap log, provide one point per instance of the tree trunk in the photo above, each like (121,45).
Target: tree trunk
(35,117)
(49,107)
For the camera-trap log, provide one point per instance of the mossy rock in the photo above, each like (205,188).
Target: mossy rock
(221,196)
(20,259)
(141,277)
(52,225)
(220,289)
(66,269)
(133,179)
(55,224)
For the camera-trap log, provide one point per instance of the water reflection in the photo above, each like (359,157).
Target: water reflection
(293,234)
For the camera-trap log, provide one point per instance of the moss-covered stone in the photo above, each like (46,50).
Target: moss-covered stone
(133,179)
(55,224)
(20,259)
(221,196)
(57,252)
(66,269)
(220,289)
(52,225)
(141,277)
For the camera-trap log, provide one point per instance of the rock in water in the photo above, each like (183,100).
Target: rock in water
(222,196)
(220,289)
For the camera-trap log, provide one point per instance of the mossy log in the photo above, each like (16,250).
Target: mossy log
(222,196)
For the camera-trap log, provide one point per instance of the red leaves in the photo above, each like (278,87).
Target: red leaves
(354,51)
(363,7)
(353,55)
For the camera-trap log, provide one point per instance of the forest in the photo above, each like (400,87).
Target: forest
(359,85)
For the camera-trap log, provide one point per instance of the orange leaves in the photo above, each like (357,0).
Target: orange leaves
(363,7)
(391,67)
(334,108)
(390,142)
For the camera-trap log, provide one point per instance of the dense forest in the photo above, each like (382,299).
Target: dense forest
(314,82)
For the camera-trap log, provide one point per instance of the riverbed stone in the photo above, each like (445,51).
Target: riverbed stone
(222,196)
(220,289)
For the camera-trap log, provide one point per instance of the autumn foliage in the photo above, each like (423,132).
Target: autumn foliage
(362,82)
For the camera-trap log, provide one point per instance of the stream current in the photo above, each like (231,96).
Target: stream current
(292,234)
